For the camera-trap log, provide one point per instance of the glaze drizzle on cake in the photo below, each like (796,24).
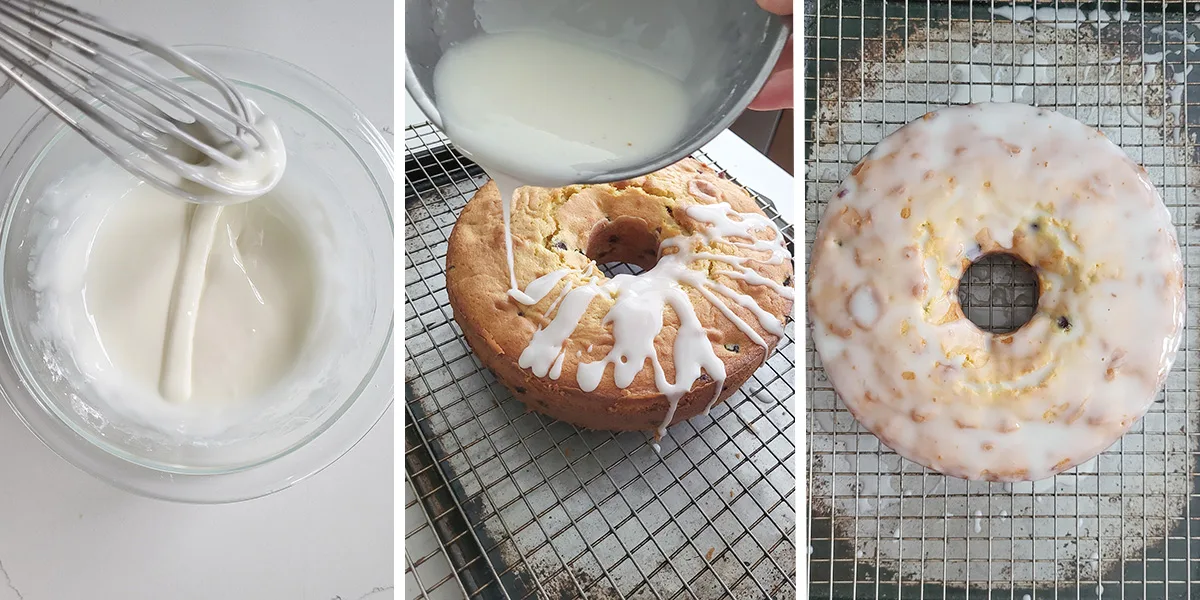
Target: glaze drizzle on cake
(703,315)
(636,317)
(933,197)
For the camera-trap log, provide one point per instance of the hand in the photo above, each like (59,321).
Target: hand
(777,93)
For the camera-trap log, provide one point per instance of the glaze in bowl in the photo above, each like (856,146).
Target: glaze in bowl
(722,51)
(327,138)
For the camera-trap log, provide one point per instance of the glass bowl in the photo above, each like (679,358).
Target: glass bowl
(338,153)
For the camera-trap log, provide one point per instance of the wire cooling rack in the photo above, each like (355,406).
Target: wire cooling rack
(505,503)
(1119,526)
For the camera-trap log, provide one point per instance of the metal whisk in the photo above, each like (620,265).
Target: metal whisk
(142,119)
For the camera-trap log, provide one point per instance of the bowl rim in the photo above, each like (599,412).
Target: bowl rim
(779,31)
(370,400)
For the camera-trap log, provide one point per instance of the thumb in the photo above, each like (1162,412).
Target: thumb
(777,93)
(779,7)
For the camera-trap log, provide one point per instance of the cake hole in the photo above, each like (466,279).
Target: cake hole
(622,244)
(999,293)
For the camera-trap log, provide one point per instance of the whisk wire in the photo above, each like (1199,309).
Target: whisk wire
(165,88)
(119,94)
(154,150)
(97,141)
(78,77)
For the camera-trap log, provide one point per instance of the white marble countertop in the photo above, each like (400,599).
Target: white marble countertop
(65,535)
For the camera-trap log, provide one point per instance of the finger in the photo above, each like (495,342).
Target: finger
(779,7)
(769,98)
(777,94)
(786,58)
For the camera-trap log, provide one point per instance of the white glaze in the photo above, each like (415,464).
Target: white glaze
(115,273)
(550,112)
(238,176)
(932,386)
(636,317)
(271,320)
(507,187)
(180,336)
(1061,18)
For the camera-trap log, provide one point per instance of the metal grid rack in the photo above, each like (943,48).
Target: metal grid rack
(505,503)
(1121,526)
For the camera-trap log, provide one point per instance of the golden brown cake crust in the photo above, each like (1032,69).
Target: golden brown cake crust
(622,222)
